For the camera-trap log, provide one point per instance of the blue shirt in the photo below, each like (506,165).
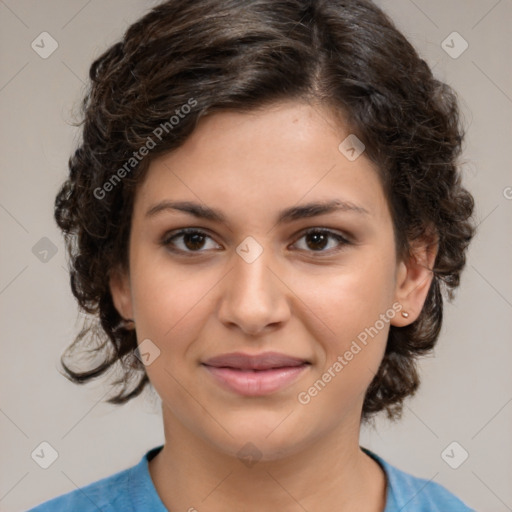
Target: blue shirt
(132,490)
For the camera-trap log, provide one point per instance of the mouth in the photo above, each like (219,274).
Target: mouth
(255,375)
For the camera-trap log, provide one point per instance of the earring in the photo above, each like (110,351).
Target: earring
(405,314)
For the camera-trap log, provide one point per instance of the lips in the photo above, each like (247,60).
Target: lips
(265,361)
(256,375)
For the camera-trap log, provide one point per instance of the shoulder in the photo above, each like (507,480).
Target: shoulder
(109,494)
(410,493)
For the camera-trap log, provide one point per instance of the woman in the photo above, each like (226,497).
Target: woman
(263,213)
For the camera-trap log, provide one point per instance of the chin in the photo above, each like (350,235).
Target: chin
(254,440)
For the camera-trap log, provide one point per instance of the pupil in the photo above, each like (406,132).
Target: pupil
(196,240)
(318,238)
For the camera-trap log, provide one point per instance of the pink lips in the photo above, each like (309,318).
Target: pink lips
(256,375)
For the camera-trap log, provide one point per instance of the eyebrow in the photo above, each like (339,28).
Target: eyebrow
(285,216)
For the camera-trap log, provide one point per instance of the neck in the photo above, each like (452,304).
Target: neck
(332,474)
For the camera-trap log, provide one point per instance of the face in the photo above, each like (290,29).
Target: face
(318,289)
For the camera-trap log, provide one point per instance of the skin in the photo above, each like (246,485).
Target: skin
(299,297)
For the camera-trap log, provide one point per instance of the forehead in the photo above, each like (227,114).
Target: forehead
(277,156)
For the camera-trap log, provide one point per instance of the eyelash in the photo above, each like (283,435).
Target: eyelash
(169,237)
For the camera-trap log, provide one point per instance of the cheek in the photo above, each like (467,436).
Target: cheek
(347,300)
(169,302)
(350,344)
(171,306)
(348,313)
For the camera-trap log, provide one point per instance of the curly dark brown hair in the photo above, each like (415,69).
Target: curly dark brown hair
(233,55)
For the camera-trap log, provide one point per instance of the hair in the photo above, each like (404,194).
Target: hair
(220,55)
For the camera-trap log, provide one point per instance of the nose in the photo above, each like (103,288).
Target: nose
(254,297)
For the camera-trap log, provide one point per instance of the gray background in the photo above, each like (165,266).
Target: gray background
(466,394)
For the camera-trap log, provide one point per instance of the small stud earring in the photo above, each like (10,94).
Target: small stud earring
(405,314)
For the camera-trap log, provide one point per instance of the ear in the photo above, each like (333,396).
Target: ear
(413,279)
(120,289)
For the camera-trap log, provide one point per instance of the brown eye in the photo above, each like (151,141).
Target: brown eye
(192,240)
(195,241)
(318,239)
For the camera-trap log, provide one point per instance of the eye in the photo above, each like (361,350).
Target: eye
(192,240)
(318,240)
